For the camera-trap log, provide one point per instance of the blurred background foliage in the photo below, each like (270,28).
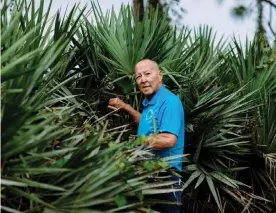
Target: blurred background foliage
(241,10)
(64,151)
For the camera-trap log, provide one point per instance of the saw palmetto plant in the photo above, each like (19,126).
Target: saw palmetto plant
(63,150)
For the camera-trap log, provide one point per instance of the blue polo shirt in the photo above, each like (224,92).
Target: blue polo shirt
(164,113)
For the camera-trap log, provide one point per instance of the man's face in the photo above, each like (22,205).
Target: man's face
(148,77)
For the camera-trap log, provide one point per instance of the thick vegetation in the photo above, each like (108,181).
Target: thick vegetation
(64,151)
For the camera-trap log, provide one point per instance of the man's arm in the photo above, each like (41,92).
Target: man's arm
(135,115)
(161,141)
(116,103)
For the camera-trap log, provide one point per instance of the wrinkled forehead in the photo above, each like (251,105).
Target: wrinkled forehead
(146,65)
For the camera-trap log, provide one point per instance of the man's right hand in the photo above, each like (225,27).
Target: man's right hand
(116,103)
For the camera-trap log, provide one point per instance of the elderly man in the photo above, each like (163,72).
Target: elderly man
(162,120)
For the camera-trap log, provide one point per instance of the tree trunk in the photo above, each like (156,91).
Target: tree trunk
(138,6)
(154,3)
(260,29)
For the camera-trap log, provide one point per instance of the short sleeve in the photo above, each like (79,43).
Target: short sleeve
(171,117)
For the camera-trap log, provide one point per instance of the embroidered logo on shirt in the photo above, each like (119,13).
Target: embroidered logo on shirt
(149,115)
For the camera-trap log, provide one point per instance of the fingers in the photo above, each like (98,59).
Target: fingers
(113,102)
(116,103)
(152,141)
(146,142)
(149,141)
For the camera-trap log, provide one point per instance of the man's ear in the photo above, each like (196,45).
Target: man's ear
(160,75)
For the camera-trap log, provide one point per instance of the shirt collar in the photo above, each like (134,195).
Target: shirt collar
(154,98)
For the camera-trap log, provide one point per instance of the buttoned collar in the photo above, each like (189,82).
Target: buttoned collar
(155,97)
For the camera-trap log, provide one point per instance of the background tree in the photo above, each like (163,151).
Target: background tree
(176,12)
(256,7)
(264,27)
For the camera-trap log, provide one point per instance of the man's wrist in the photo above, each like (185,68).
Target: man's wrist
(125,107)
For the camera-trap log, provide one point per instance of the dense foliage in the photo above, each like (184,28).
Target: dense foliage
(64,151)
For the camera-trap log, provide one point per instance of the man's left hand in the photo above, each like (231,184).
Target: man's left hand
(161,141)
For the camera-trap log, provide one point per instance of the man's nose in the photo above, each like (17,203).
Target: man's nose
(143,79)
